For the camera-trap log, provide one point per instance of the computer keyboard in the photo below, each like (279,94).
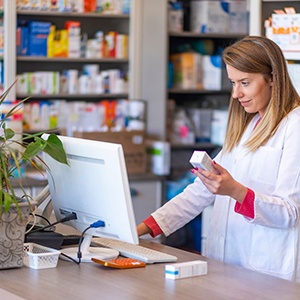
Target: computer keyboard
(139,252)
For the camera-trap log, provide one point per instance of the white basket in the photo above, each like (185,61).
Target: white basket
(40,257)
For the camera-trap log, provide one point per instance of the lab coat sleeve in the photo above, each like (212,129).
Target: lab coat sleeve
(183,208)
(247,207)
(280,208)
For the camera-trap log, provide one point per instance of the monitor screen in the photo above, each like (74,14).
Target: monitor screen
(95,187)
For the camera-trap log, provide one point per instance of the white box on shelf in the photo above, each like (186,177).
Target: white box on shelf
(209,16)
(212,72)
(239,17)
(201,118)
(218,126)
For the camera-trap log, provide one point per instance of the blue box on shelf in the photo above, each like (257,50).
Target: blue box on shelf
(38,34)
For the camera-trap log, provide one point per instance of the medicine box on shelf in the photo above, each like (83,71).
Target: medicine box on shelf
(187,70)
(38,34)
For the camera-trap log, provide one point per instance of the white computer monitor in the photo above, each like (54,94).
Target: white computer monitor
(95,187)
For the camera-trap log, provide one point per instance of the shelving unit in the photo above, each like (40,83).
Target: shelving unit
(105,23)
(118,22)
(147,187)
(262,10)
(195,97)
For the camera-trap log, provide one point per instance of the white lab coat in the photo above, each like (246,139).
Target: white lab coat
(269,243)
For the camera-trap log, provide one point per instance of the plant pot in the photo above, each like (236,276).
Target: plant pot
(12,232)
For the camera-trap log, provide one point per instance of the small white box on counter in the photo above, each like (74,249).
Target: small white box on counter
(200,159)
(186,269)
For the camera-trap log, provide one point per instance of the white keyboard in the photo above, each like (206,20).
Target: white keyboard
(141,253)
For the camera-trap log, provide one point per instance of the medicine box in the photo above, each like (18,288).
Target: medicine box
(218,126)
(38,33)
(159,157)
(187,70)
(201,160)
(22,37)
(214,73)
(201,118)
(186,269)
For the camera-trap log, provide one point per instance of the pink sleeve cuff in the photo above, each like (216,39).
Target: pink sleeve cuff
(151,223)
(247,207)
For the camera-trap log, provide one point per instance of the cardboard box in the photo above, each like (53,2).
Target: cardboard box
(133,143)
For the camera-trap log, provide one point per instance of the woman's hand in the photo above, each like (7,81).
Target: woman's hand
(142,229)
(221,182)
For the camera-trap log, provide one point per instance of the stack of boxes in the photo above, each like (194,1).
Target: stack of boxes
(35,38)
(195,71)
(219,16)
(187,70)
(284,29)
(102,6)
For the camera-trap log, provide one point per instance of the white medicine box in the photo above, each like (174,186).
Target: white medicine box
(214,73)
(201,160)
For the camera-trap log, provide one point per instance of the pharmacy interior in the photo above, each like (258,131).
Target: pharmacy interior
(146,74)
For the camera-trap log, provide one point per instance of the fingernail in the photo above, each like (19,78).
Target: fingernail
(192,170)
(214,162)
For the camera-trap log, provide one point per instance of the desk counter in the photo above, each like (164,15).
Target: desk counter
(91,281)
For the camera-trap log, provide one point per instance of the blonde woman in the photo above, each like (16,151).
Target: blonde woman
(256,188)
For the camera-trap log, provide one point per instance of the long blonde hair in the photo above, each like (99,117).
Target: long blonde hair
(254,54)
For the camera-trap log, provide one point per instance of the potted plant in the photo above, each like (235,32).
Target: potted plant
(16,151)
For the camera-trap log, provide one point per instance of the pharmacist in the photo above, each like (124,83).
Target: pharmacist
(256,187)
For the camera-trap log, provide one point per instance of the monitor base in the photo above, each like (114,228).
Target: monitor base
(96,252)
(87,252)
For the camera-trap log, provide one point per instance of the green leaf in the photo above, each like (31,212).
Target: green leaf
(7,202)
(34,148)
(55,149)
(8,133)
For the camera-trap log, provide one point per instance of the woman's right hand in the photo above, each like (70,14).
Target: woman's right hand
(222,183)
(142,229)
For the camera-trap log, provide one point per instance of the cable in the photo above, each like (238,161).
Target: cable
(71,216)
(96,224)
(42,217)
(70,258)
(33,224)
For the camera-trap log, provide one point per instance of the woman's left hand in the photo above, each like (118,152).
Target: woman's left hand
(221,182)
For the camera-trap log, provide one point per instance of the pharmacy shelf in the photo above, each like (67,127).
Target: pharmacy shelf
(279,1)
(70,59)
(73,96)
(197,91)
(189,34)
(292,55)
(202,146)
(70,14)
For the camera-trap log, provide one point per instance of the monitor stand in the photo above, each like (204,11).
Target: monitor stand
(88,252)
